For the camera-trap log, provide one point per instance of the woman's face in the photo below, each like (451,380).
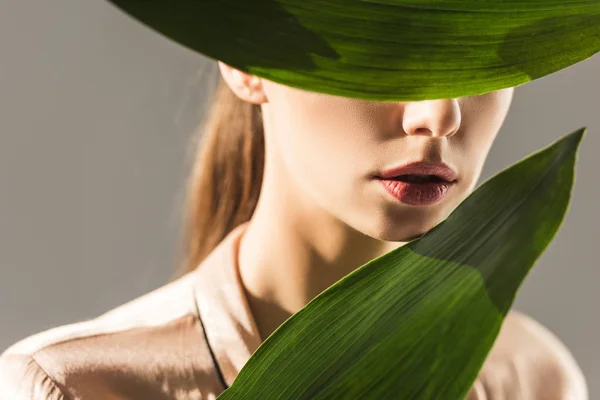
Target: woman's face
(332,148)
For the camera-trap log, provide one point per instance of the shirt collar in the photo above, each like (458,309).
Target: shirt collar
(223,307)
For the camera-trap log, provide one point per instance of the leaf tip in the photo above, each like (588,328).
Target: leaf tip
(569,143)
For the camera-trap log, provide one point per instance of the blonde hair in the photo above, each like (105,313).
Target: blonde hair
(226,177)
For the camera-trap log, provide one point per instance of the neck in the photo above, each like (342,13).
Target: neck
(293,249)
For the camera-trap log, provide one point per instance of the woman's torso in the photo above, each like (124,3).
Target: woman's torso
(191,337)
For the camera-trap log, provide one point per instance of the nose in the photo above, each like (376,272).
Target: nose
(436,118)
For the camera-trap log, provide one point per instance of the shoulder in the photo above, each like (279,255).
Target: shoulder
(133,344)
(528,361)
(22,378)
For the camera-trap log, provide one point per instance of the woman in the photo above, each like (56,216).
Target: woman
(285,199)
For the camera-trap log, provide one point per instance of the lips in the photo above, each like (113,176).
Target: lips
(418,184)
(420,172)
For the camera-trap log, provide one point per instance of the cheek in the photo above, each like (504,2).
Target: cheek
(484,116)
(322,139)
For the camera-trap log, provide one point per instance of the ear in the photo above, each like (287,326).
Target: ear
(245,86)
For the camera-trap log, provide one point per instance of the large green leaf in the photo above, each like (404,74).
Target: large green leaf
(384,49)
(419,321)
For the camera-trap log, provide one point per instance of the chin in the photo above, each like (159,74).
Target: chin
(405,225)
(403,235)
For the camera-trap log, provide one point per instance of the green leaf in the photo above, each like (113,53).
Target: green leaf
(419,321)
(402,50)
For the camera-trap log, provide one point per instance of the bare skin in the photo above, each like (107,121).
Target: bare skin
(320,215)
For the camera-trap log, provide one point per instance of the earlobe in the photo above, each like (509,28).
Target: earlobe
(245,86)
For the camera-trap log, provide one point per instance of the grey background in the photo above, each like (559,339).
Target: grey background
(96,112)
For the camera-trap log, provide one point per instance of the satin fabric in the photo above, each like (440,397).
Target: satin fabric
(185,340)
(191,337)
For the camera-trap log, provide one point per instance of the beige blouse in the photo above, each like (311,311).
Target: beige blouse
(191,337)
